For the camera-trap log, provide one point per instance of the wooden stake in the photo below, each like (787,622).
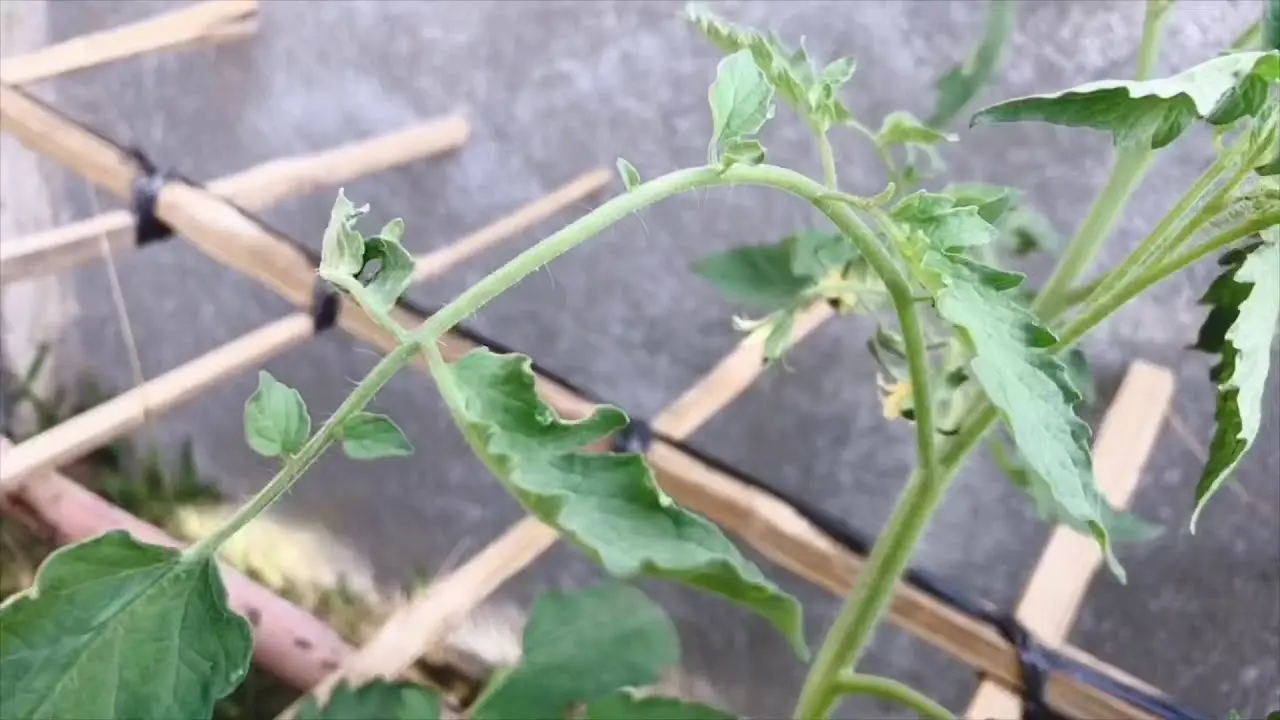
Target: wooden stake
(203,24)
(290,642)
(72,439)
(254,189)
(436,611)
(523,218)
(730,378)
(1061,578)
(765,522)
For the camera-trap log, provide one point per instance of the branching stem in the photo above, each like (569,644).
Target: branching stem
(883,688)
(1130,166)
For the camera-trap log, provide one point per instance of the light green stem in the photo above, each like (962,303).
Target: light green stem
(315,446)
(1162,238)
(854,627)
(1098,312)
(1130,166)
(883,688)
(828,159)
(863,610)
(1152,24)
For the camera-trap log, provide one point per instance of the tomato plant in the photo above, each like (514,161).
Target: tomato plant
(964,343)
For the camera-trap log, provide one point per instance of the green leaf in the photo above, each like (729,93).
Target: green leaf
(276,422)
(1121,527)
(746,152)
(630,176)
(626,706)
(581,646)
(369,436)
(992,201)
(1153,113)
(1245,307)
(758,276)
(816,254)
(945,223)
(962,83)
(395,266)
(741,102)
(113,628)
(342,250)
(812,95)
(902,128)
(1012,363)
(1081,375)
(608,504)
(378,700)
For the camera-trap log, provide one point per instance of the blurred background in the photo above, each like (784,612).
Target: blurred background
(553,89)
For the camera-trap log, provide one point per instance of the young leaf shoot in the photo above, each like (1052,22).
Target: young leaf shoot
(276,423)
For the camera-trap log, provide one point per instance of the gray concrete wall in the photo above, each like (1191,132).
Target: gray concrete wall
(555,88)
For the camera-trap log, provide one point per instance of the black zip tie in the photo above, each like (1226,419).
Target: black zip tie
(145,190)
(325,304)
(636,437)
(1034,666)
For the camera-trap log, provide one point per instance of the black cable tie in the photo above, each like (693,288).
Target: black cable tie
(1034,666)
(636,437)
(325,304)
(145,191)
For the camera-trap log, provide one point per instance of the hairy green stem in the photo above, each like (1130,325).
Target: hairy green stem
(1167,235)
(828,159)
(315,446)
(1098,312)
(893,691)
(849,635)
(1152,24)
(1130,166)
(865,607)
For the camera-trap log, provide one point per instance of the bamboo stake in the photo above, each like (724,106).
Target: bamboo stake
(293,644)
(203,24)
(1053,595)
(76,437)
(239,242)
(525,217)
(254,189)
(432,613)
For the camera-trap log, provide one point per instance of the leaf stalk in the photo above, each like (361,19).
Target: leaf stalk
(883,688)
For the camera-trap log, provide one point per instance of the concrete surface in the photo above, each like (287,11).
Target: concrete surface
(555,88)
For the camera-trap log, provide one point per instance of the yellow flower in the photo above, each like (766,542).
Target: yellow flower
(896,400)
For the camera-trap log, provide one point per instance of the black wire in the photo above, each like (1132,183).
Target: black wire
(1036,662)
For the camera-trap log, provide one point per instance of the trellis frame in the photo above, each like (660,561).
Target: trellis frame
(212,220)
